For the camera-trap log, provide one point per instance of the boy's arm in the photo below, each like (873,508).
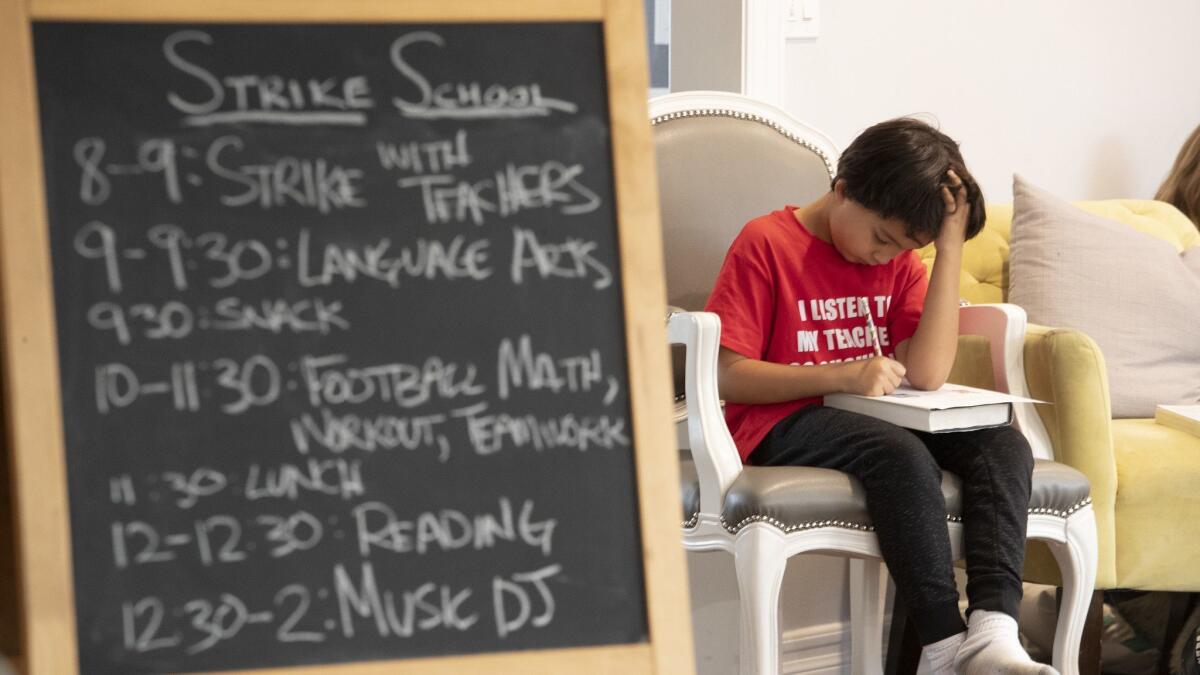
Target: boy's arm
(746,380)
(929,353)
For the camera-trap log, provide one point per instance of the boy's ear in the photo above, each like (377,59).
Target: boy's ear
(839,188)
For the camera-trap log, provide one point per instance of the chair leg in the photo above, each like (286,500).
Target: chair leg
(1076,559)
(760,563)
(866,617)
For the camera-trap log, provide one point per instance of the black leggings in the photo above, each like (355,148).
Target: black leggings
(901,473)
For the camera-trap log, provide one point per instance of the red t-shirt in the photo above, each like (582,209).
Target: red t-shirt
(785,296)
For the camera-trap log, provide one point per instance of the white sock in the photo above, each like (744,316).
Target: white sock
(993,648)
(939,656)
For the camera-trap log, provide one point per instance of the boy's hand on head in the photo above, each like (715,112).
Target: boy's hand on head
(876,377)
(954,225)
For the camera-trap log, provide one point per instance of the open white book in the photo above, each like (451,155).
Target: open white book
(1181,417)
(954,407)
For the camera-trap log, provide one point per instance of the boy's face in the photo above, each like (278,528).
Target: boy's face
(863,237)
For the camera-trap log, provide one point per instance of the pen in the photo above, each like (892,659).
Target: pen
(865,307)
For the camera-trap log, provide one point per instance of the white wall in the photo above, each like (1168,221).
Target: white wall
(1090,99)
(706,45)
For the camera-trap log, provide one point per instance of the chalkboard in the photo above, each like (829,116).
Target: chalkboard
(341,341)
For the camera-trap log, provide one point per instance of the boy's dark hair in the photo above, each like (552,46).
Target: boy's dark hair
(897,169)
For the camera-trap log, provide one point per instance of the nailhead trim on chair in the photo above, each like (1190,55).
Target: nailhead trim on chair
(1063,514)
(722,112)
(691,522)
(812,525)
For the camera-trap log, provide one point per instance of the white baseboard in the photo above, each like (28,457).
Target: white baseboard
(816,650)
(819,650)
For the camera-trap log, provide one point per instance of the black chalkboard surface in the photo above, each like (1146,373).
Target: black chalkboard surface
(341,341)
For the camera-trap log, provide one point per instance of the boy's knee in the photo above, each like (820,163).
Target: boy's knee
(907,458)
(1015,449)
(884,455)
(1003,447)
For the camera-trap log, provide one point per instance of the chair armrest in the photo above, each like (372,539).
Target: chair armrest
(1003,325)
(712,447)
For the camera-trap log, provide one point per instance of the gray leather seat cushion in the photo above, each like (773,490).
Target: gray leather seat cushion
(1058,489)
(795,498)
(799,497)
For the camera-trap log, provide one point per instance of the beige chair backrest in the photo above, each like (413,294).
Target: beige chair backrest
(724,159)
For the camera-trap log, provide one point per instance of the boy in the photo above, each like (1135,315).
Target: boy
(789,297)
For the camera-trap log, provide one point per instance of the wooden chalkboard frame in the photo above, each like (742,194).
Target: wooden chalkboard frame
(32,396)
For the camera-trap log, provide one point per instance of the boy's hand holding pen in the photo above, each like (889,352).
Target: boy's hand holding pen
(874,377)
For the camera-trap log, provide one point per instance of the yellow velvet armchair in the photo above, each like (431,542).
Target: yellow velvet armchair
(1145,477)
